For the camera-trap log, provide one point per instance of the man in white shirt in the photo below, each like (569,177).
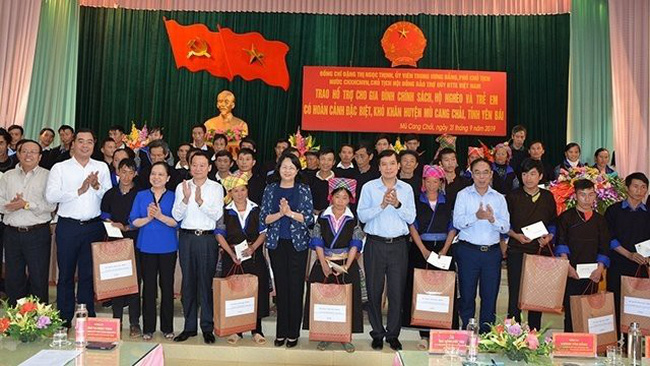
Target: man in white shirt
(27,231)
(198,207)
(77,185)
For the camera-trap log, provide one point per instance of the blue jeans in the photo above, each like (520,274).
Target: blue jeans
(477,268)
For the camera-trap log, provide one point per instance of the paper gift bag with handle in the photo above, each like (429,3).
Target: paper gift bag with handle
(114,269)
(595,314)
(433,298)
(635,302)
(543,281)
(330,315)
(235,303)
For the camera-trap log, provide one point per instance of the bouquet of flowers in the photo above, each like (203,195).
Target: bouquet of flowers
(29,320)
(303,144)
(136,139)
(610,188)
(232,134)
(517,341)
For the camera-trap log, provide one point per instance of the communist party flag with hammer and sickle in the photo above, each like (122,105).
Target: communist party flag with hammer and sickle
(228,54)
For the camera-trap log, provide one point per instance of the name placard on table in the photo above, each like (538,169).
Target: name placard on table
(441,340)
(103,330)
(581,345)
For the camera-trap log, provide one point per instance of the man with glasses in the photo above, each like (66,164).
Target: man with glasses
(481,215)
(27,231)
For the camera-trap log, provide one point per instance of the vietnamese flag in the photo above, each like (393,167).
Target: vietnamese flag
(248,55)
(251,56)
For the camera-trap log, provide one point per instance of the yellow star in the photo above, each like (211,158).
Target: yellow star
(255,55)
(402,33)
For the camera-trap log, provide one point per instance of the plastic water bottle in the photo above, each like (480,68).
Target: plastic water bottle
(472,347)
(634,344)
(80,317)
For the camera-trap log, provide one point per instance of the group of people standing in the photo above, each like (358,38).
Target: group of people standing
(374,214)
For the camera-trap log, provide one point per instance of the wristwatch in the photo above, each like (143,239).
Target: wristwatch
(292,216)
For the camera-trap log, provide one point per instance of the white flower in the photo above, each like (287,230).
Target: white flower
(21,301)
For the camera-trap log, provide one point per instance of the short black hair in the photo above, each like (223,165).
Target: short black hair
(202,127)
(16,127)
(403,153)
(326,150)
(129,163)
(536,142)
(200,153)
(582,184)
(220,136)
(529,164)
(291,150)
(129,152)
(345,144)
(168,169)
(184,144)
(85,130)
(294,160)
(104,141)
(4,134)
(156,129)
(66,127)
(247,151)
(309,153)
(599,150)
(519,128)
(411,136)
(571,145)
(446,151)
(116,128)
(46,129)
(250,141)
(24,141)
(222,153)
(382,136)
(636,175)
(365,145)
(282,141)
(387,153)
(479,160)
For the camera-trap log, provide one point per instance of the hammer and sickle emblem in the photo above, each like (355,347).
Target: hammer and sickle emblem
(198,47)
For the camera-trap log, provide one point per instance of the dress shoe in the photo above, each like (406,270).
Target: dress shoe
(184,336)
(377,344)
(394,344)
(291,344)
(279,342)
(208,338)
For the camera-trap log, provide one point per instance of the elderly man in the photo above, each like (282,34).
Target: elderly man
(26,217)
(158,151)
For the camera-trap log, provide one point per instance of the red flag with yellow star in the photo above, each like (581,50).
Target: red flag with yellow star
(228,54)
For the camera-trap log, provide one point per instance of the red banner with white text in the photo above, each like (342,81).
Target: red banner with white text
(398,100)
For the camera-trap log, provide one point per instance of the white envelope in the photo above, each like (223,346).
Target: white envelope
(585,270)
(534,231)
(442,262)
(643,248)
(239,249)
(112,231)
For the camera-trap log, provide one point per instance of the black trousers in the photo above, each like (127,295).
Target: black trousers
(575,287)
(198,259)
(158,272)
(515,262)
(289,268)
(27,250)
(389,261)
(73,253)
(2,280)
(132,301)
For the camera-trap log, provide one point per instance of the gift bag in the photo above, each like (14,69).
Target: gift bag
(114,269)
(595,314)
(330,316)
(543,282)
(433,298)
(635,303)
(235,303)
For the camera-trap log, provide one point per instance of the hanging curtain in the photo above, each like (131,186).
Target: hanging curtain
(54,79)
(347,7)
(127,72)
(630,37)
(590,81)
(18,31)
